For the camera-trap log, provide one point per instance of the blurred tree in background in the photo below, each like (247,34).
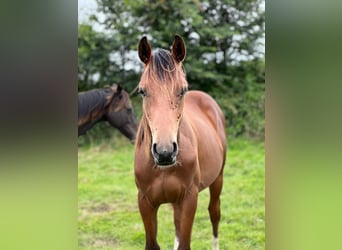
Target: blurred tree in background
(224,56)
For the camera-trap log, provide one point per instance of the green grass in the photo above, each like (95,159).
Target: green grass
(108,216)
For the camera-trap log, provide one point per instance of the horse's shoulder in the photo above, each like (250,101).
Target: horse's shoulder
(206,109)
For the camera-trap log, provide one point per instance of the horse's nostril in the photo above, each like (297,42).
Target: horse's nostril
(175,148)
(154,148)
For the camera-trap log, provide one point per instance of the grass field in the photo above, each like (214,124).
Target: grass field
(108,216)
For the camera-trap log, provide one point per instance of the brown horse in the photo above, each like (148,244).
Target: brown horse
(110,104)
(180,147)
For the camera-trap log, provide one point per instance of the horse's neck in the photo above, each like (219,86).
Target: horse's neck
(98,116)
(93,119)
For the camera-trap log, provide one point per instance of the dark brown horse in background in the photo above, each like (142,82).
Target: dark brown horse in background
(110,104)
(180,147)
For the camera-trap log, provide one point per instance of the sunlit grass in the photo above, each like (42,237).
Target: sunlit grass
(108,212)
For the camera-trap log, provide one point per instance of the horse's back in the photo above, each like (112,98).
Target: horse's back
(208,124)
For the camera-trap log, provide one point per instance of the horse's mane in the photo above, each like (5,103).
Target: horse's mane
(144,136)
(93,100)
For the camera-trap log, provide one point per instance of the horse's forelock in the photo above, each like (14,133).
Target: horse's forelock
(163,63)
(164,71)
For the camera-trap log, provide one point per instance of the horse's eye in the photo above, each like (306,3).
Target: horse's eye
(142,92)
(182,92)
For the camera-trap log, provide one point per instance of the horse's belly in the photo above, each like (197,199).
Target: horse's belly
(209,172)
(211,158)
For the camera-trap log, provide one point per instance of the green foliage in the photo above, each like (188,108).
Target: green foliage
(108,216)
(223,57)
(96,68)
(243,104)
(92,56)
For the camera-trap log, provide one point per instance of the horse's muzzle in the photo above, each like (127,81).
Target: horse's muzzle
(164,156)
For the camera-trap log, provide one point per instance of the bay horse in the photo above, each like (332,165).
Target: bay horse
(111,104)
(180,147)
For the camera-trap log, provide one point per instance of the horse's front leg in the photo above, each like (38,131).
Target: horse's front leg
(149,216)
(177,220)
(188,210)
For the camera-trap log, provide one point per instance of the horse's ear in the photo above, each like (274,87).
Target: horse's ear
(144,49)
(178,49)
(119,88)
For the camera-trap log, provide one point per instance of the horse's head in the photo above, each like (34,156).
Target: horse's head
(120,113)
(163,86)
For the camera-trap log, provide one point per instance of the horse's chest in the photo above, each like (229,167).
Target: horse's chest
(166,189)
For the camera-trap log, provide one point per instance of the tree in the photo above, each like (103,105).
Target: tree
(98,63)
